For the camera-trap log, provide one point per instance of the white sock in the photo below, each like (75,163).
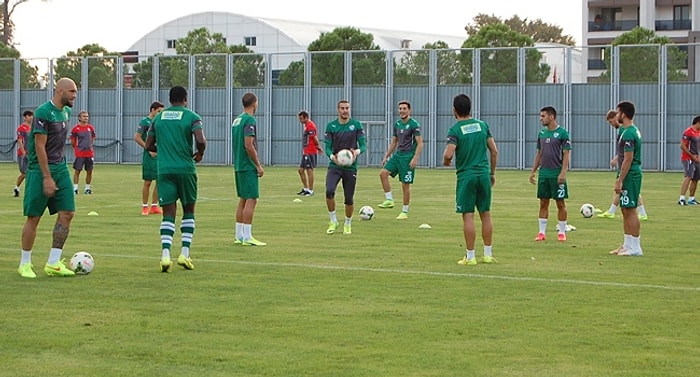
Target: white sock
(26,257)
(635,243)
(348,221)
(165,254)
(145,205)
(487,251)
(239,231)
(628,242)
(334,219)
(690,199)
(562,227)
(306,189)
(310,191)
(87,187)
(642,211)
(185,251)
(247,232)
(55,255)
(681,198)
(470,254)
(405,208)
(388,196)
(16,187)
(612,209)
(75,187)
(543,225)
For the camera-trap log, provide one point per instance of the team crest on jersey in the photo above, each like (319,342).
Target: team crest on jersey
(352,127)
(171,115)
(556,134)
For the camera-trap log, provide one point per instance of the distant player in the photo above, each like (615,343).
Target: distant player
(407,142)
(310,150)
(552,160)
(82,138)
(171,135)
(149,163)
(690,158)
(22,157)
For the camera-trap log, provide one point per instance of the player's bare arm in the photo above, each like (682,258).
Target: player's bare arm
(200,143)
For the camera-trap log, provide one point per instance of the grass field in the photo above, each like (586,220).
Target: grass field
(388,300)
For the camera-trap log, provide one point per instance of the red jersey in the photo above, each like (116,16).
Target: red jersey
(691,139)
(308,142)
(82,138)
(23,134)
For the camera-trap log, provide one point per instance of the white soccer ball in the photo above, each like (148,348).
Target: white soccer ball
(587,210)
(82,263)
(345,157)
(366,213)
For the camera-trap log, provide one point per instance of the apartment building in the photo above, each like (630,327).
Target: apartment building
(604,20)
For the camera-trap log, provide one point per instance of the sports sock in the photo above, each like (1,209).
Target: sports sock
(388,196)
(628,241)
(405,208)
(187,231)
(562,227)
(239,231)
(17,188)
(470,254)
(167,230)
(145,205)
(543,225)
(247,232)
(333,217)
(87,187)
(75,187)
(487,251)
(681,198)
(26,257)
(642,211)
(613,208)
(348,221)
(55,255)
(690,199)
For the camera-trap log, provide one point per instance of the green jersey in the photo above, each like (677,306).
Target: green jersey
(243,126)
(173,129)
(471,140)
(348,135)
(552,144)
(53,123)
(405,134)
(630,140)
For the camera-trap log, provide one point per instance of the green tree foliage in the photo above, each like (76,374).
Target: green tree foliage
(29,75)
(101,67)
(499,56)
(414,66)
(7,27)
(328,61)
(210,51)
(538,30)
(641,63)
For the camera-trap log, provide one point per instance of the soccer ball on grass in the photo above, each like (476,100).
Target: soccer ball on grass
(345,157)
(82,263)
(366,213)
(587,210)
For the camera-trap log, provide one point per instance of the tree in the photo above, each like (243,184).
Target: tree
(29,75)
(641,63)
(414,66)
(7,27)
(101,66)
(328,63)
(538,30)
(499,56)
(210,52)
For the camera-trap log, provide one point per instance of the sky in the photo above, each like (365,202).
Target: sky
(53,28)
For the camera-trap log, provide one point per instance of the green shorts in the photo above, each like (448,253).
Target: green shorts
(247,186)
(172,187)
(35,202)
(631,187)
(473,191)
(149,168)
(401,164)
(549,188)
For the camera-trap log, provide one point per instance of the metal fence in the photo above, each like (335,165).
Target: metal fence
(507,86)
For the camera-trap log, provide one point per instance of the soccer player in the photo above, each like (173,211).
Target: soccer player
(310,149)
(82,138)
(22,158)
(149,163)
(48,182)
(690,159)
(476,158)
(407,142)
(611,117)
(171,135)
(552,160)
(629,180)
(247,170)
(342,133)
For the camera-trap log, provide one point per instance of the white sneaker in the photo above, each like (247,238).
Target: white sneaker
(630,253)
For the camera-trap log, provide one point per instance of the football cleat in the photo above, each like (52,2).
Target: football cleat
(606,215)
(643,218)
(25,269)
(155,211)
(347,229)
(467,262)
(252,242)
(386,204)
(16,193)
(619,249)
(402,216)
(540,237)
(144,211)
(58,269)
(331,227)
(630,253)
(488,260)
(681,202)
(166,265)
(88,192)
(186,263)
(692,202)
(561,237)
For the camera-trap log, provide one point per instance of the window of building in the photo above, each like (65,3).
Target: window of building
(170,43)
(611,18)
(250,41)
(405,43)
(681,12)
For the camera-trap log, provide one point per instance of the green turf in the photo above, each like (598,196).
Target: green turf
(388,300)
